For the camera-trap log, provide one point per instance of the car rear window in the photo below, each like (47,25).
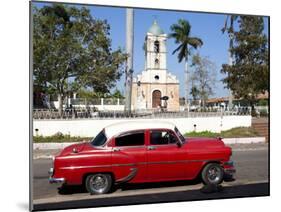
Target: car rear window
(130,139)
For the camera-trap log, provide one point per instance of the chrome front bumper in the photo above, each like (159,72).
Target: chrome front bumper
(55,180)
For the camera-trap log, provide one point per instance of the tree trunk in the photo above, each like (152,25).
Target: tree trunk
(60,99)
(186,103)
(253,111)
(204,103)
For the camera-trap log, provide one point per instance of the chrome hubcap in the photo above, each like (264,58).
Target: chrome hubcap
(214,174)
(98,183)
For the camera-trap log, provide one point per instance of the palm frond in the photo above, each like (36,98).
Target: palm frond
(176,36)
(229,23)
(177,49)
(225,25)
(195,42)
(232,19)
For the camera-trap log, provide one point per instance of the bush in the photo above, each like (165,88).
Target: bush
(58,137)
(263,113)
(202,134)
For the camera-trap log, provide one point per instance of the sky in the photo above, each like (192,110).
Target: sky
(206,26)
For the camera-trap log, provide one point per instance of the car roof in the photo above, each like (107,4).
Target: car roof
(121,127)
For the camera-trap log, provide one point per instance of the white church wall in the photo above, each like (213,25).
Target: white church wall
(91,127)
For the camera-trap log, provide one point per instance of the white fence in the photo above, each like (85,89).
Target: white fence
(90,127)
(99,103)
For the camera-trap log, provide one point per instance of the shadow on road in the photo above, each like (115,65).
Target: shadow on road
(69,190)
(137,186)
(250,190)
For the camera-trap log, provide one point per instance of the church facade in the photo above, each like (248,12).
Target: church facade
(155,82)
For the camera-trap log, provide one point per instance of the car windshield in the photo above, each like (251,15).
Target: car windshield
(180,135)
(99,140)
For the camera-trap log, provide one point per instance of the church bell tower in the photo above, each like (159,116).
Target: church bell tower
(155,82)
(155,48)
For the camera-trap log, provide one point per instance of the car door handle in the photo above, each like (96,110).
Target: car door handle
(151,147)
(116,149)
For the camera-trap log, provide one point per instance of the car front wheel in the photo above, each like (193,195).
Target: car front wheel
(212,174)
(98,183)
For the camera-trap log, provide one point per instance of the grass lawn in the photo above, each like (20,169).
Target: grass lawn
(237,132)
(59,138)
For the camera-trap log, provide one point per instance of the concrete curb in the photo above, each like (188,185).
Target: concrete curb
(250,140)
(43,146)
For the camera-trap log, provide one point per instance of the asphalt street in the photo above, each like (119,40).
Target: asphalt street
(251,180)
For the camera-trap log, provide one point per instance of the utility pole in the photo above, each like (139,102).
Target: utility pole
(129,51)
(230,62)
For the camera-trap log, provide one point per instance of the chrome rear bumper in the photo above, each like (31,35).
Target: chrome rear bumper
(55,180)
(229,170)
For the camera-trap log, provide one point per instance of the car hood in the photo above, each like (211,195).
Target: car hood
(76,148)
(204,142)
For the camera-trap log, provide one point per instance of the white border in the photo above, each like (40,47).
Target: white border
(15,102)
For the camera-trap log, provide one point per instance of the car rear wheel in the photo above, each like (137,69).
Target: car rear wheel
(98,183)
(212,174)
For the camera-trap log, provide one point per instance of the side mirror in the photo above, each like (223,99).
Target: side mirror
(179,144)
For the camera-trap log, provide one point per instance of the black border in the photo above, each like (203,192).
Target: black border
(31,205)
(37,207)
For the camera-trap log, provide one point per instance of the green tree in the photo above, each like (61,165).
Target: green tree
(204,77)
(71,50)
(181,34)
(117,94)
(248,76)
(194,92)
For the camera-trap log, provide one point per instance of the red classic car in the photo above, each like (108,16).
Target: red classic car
(137,152)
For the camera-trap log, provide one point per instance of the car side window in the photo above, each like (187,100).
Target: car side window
(130,139)
(161,137)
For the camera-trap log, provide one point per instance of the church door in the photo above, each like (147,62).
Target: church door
(156,101)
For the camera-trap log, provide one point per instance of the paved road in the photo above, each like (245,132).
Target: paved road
(251,179)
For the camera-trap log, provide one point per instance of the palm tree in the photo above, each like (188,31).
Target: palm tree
(229,28)
(181,34)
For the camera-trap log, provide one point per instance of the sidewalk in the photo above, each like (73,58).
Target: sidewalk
(49,153)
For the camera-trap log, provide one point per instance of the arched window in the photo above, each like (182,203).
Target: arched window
(156,46)
(156,63)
